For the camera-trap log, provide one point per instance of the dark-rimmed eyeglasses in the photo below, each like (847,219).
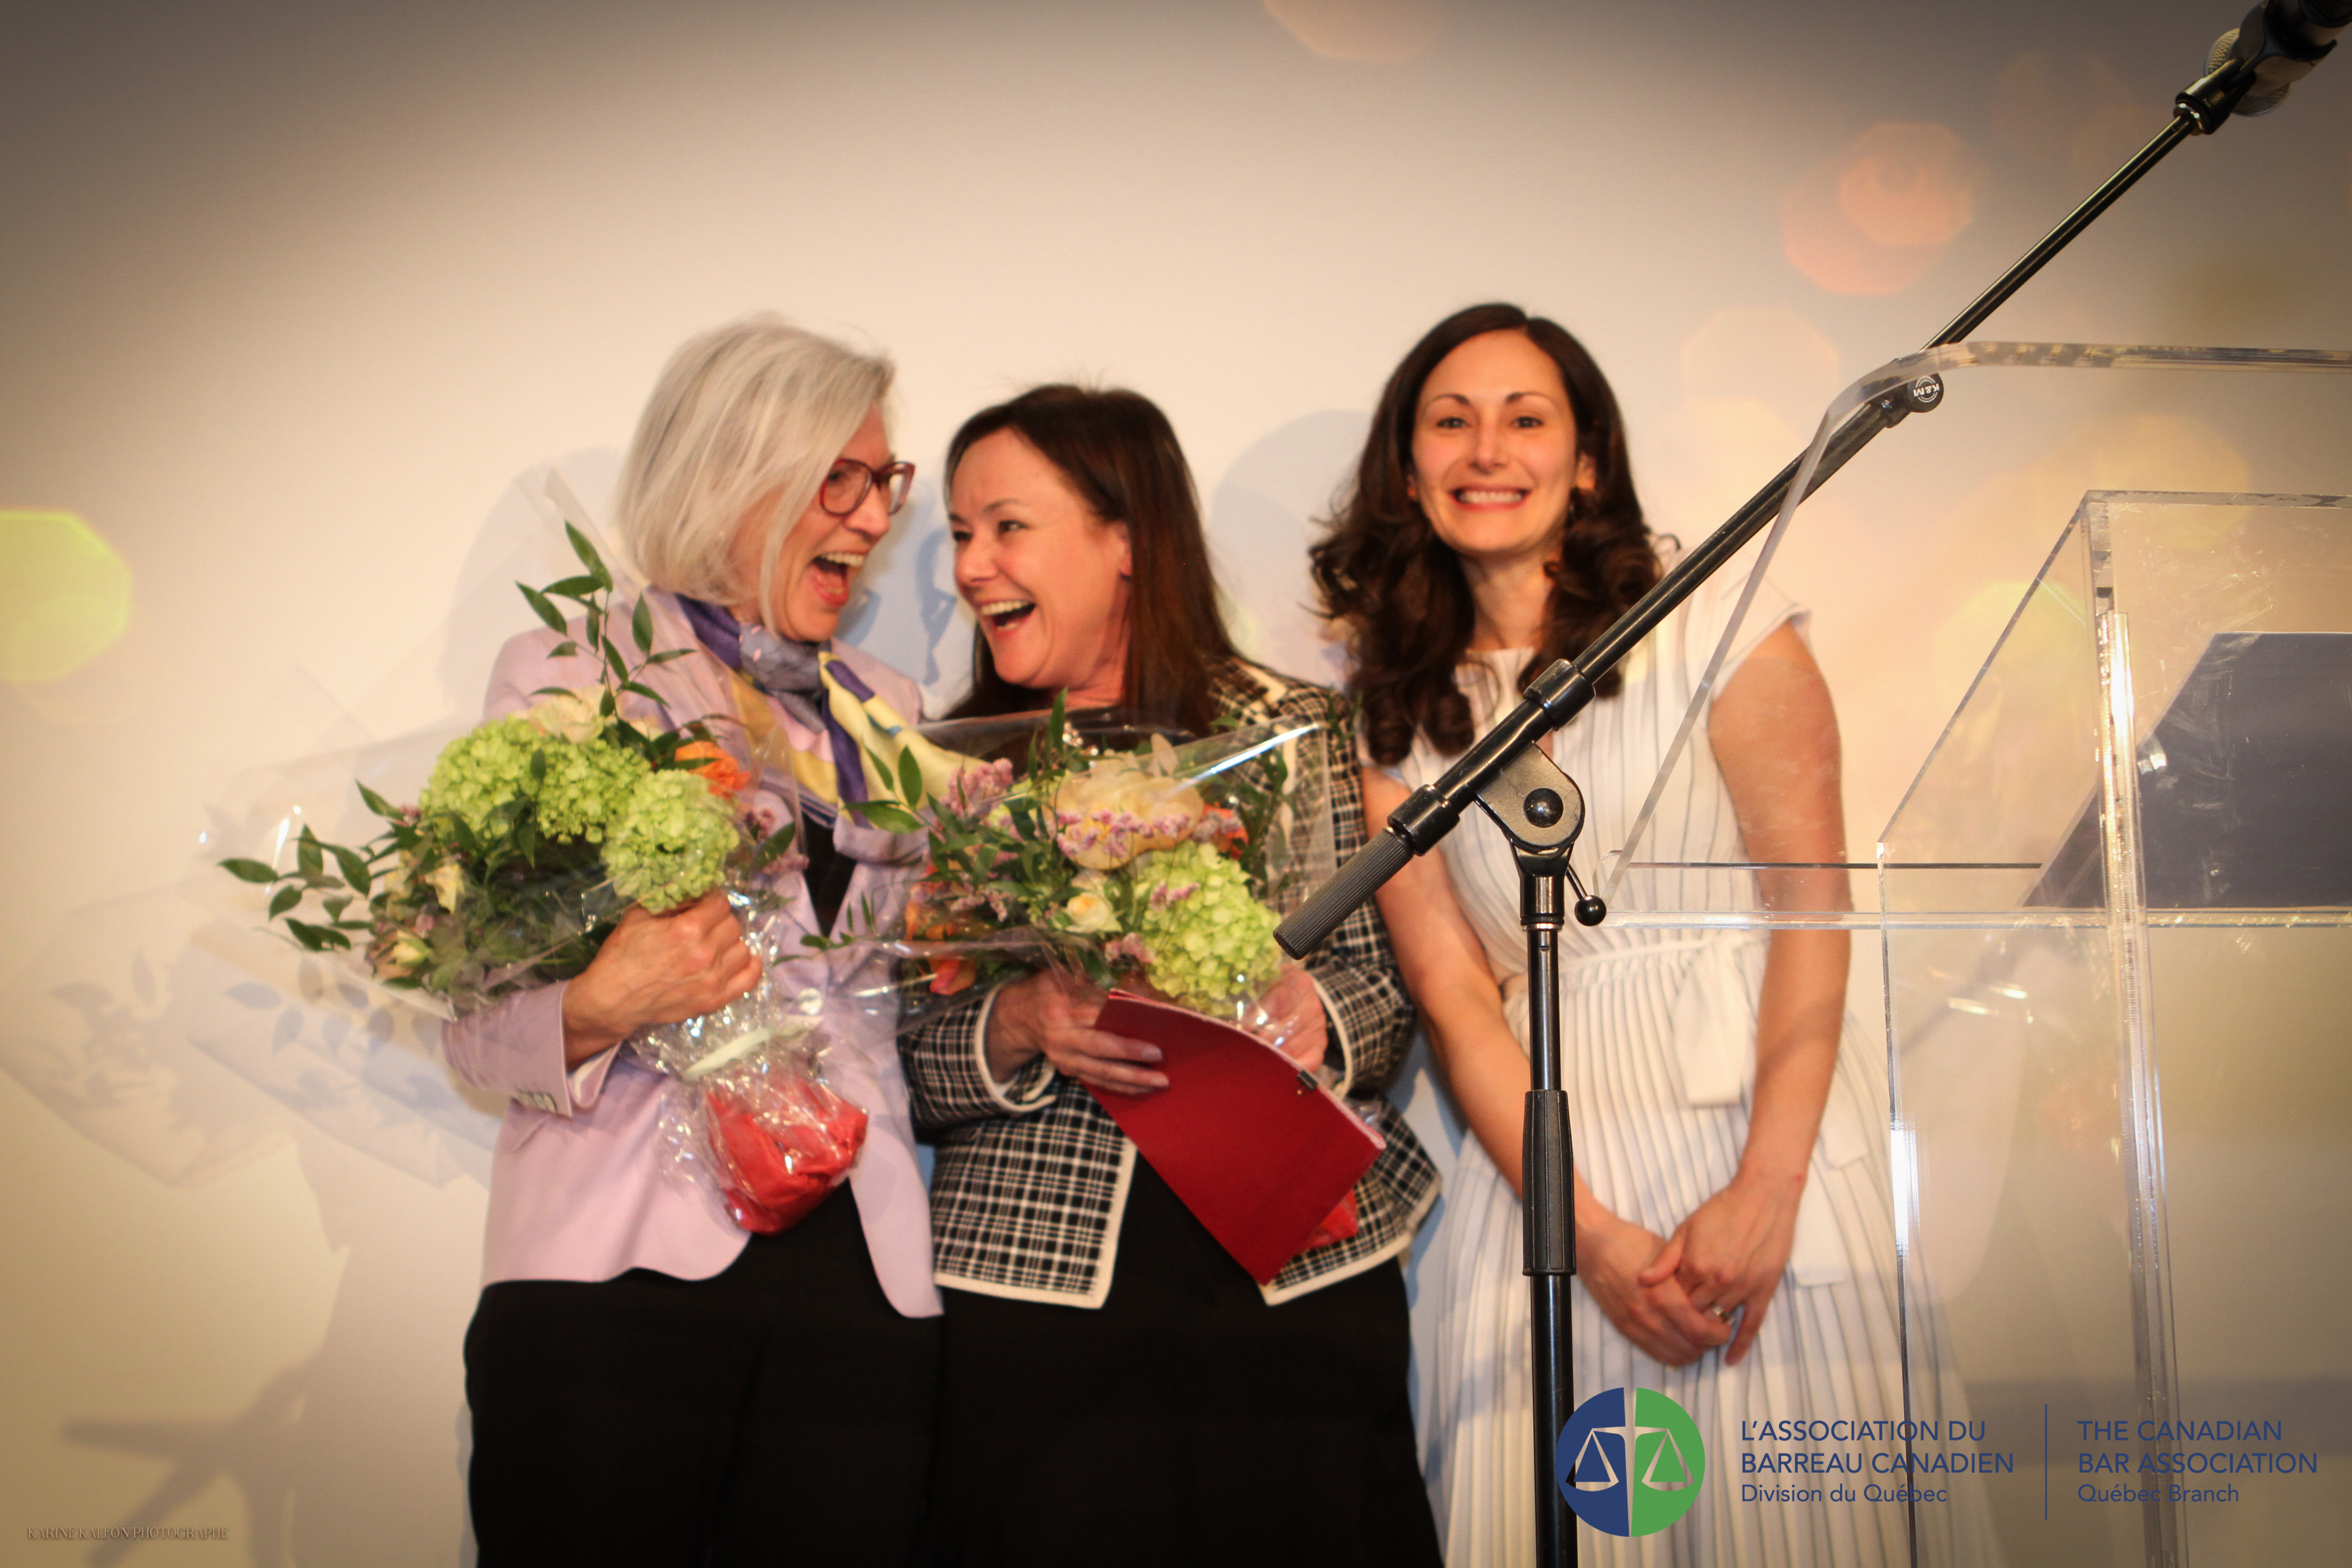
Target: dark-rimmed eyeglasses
(849,481)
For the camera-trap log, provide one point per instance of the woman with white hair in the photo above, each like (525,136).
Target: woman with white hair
(650,1382)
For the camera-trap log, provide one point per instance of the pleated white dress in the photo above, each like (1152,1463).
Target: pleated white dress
(1658,1036)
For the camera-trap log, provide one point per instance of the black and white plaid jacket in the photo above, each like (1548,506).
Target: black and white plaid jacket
(1032,1179)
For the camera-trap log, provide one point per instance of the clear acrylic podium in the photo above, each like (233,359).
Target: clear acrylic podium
(2100,701)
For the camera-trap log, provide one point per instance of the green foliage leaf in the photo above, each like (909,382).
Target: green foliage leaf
(580,588)
(541,608)
(379,805)
(620,666)
(285,898)
(640,625)
(775,844)
(249,870)
(637,689)
(886,816)
(666,655)
(310,855)
(336,906)
(588,556)
(911,777)
(563,650)
(318,937)
(354,868)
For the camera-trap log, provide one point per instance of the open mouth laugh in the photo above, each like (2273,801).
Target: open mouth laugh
(1003,614)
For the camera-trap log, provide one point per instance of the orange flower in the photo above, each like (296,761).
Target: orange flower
(725,775)
(949,975)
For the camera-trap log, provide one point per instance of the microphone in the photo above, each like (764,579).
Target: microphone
(2253,66)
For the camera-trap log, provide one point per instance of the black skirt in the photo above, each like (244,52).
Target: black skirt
(779,1412)
(1185,1421)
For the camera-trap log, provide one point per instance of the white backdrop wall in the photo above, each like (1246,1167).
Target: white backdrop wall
(297,304)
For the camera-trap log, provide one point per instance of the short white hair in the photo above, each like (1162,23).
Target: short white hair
(753,410)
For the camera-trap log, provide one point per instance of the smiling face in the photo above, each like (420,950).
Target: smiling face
(1048,579)
(1493,451)
(817,565)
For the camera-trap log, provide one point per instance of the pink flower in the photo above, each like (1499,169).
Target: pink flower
(1218,823)
(975,789)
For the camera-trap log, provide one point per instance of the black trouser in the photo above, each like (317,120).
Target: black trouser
(778,1413)
(1184,1421)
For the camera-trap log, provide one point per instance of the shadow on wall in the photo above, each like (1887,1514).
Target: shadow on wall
(256,1449)
(1267,510)
(190,1069)
(905,613)
(165,1027)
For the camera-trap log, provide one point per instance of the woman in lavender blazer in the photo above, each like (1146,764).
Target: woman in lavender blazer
(650,1384)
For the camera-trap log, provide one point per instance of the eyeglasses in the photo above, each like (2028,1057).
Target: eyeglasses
(849,482)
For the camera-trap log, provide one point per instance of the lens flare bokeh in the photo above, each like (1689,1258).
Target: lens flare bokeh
(1873,220)
(65,595)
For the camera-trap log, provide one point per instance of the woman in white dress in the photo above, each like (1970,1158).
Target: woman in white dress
(1734,1234)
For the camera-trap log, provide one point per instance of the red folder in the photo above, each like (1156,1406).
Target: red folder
(1258,1150)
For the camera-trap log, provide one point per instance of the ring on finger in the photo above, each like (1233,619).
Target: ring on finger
(1722,1314)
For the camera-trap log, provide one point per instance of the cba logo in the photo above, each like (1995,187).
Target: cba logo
(1630,1461)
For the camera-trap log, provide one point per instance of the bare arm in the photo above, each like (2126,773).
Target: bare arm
(1774,735)
(1447,969)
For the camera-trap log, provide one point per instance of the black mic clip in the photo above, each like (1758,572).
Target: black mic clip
(2253,64)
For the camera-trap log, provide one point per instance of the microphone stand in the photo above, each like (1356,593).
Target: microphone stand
(1541,811)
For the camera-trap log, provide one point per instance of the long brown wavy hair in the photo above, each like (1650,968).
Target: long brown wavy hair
(1119,454)
(1397,591)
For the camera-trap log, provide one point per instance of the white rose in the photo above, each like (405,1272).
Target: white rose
(575,715)
(1089,913)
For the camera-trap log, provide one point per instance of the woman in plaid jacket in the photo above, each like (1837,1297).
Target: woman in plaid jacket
(1116,1388)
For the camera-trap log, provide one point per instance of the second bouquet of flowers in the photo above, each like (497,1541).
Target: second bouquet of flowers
(1123,856)
(1135,860)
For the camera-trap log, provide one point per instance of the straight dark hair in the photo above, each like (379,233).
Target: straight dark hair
(1118,452)
(1397,591)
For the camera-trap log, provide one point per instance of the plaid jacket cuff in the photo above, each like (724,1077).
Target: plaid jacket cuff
(1028,1089)
(1341,1057)
(948,1081)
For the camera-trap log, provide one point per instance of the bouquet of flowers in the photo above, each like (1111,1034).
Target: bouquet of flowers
(1127,860)
(533,833)
(531,838)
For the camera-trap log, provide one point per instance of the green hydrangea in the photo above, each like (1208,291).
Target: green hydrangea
(670,845)
(1211,943)
(585,784)
(482,770)
(589,784)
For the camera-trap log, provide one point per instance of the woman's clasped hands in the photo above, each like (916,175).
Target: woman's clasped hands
(1710,1282)
(1618,1262)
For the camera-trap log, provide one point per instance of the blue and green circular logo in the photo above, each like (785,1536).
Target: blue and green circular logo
(1630,1461)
